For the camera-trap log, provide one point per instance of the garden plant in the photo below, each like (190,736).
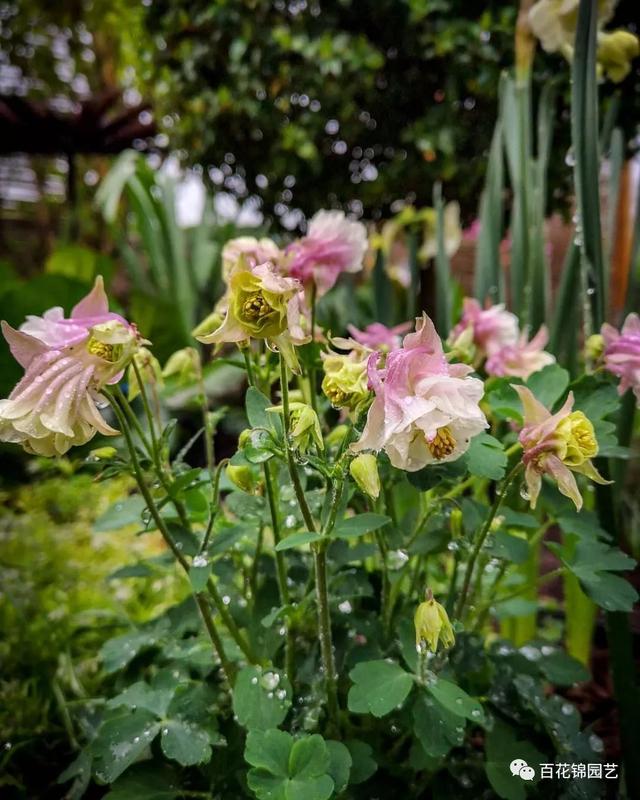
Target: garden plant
(356,605)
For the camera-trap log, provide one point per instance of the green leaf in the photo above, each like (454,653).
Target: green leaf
(298,539)
(549,384)
(359,525)
(340,762)
(146,782)
(288,769)
(379,687)
(121,741)
(363,764)
(512,548)
(120,514)
(561,669)
(502,747)
(199,573)
(116,653)
(456,700)
(486,457)
(185,743)
(141,695)
(261,699)
(256,405)
(437,728)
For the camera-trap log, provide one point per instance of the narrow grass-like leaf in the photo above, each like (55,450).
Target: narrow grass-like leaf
(443,268)
(488,278)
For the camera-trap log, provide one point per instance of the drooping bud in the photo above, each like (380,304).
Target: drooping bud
(616,51)
(594,347)
(184,364)
(432,625)
(242,477)
(103,453)
(336,435)
(209,324)
(364,471)
(149,369)
(304,426)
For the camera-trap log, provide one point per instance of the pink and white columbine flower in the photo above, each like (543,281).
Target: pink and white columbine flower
(556,445)
(522,359)
(425,410)
(67,362)
(622,354)
(378,336)
(493,327)
(333,245)
(254,251)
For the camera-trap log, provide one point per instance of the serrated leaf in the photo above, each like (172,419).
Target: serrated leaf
(378,687)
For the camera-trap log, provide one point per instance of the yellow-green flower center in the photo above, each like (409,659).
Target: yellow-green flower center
(255,307)
(442,444)
(337,396)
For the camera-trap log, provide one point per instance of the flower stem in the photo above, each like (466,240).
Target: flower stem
(210,625)
(293,470)
(484,532)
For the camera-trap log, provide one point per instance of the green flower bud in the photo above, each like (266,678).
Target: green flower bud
(594,347)
(245,438)
(209,324)
(432,625)
(149,369)
(336,435)
(185,364)
(242,477)
(304,426)
(103,453)
(364,471)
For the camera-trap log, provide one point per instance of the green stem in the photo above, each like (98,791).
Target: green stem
(281,567)
(324,629)
(148,412)
(164,531)
(293,470)
(312,372)
(484,532)
(229,621)
(251,377)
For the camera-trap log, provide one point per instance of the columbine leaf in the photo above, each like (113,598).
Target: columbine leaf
(456,700)
(121,741)
(379,687)
(486,457)
(359,525)
(261,699)
(298,539)
(185,743)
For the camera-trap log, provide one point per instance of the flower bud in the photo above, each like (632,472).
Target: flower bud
(242,477)
(185,364)
(616,51)
(304,426)
(103,453)
(364,471)
(245,438)
(432,625)
(594,347)
(149,369)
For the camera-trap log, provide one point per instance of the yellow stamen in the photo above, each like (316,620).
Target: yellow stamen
(255,307)
(442,444)
(102,350)
(336,396)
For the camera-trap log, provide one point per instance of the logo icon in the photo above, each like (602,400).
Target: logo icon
(520,768)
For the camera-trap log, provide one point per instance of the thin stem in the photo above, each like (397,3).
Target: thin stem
(484,532)
(216,641)
(164,531)
(214,505)
(312,373)
(293,470)
(281,567)
(324,629)
(229,621)
(147,411)
(133,419)
(246,354)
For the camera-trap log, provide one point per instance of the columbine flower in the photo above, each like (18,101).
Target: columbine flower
(378,337)
(67,363)
(522,359)
(345,378)
(254,251)
(261,305)
(554,22)
(622,354)
(425,410)
(364,471)
(492,328)
(333,245)
(432,625)
(556,445)
(242,477)
(184,365)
